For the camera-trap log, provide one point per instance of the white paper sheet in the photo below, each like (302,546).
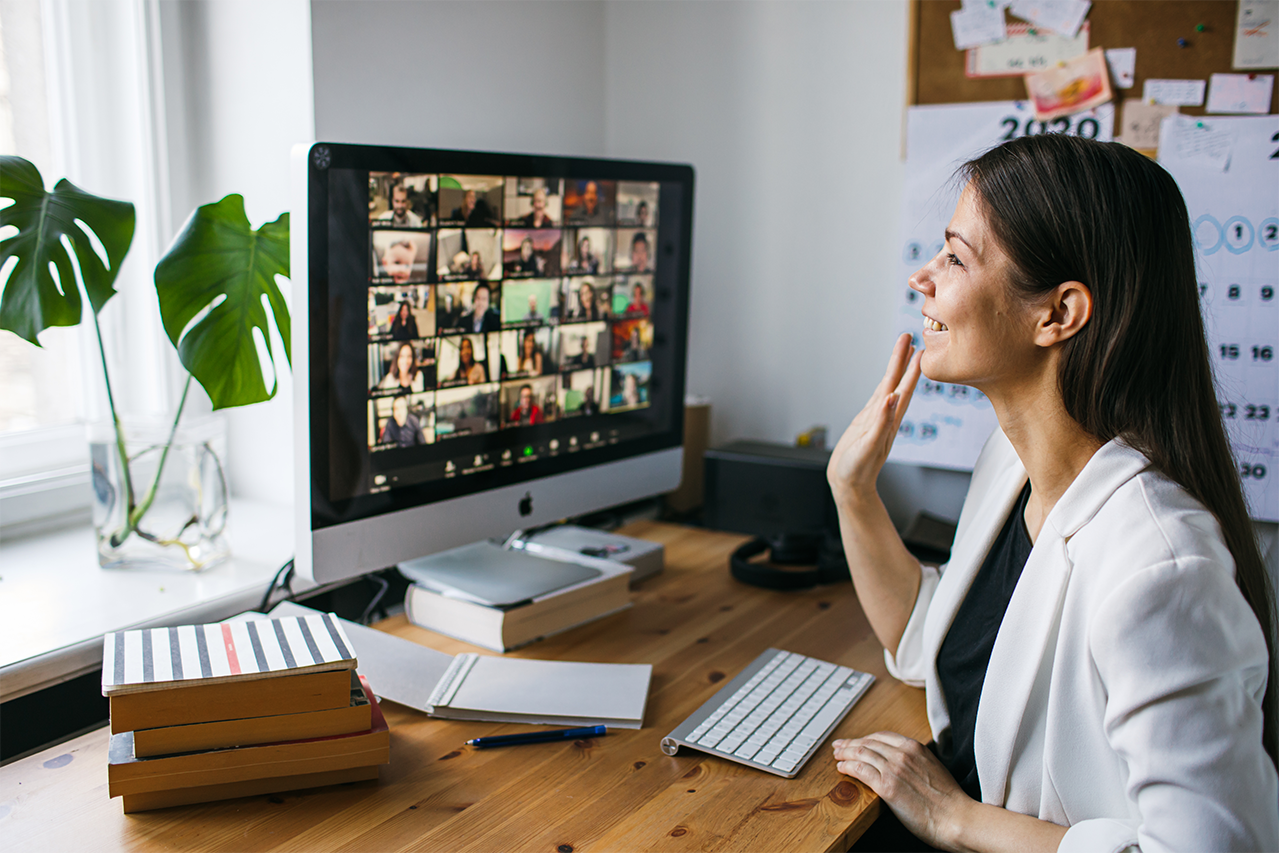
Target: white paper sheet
(977,24)
(1256,45)
(946,425)
(1061,16)
(1122,61)
(1140,123)
(1022,52)
(1178,93)
(1234,224)
(1240,93)
(1196,142)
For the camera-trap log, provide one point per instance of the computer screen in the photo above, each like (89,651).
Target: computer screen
(490,341)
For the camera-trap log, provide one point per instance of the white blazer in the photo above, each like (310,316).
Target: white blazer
(1123,696)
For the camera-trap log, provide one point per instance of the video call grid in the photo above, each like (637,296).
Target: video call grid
(527,302)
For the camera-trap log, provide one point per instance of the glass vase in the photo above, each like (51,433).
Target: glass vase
(183,526)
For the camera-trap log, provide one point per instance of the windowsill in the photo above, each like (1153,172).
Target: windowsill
(56,603)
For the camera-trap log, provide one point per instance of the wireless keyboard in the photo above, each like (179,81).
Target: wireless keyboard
(774,714)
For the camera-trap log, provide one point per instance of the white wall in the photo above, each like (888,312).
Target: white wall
(238,95)
(506,75)
(792,115)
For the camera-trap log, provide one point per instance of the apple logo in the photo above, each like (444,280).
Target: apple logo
(526,504)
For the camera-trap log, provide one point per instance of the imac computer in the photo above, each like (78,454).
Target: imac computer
(482,343)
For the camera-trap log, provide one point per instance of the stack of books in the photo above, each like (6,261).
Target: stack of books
(210,712)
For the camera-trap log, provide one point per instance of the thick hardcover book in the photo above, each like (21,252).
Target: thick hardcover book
(203,703)
(219,734)
(147,800)
(129,774)
(503,628)
(156,659)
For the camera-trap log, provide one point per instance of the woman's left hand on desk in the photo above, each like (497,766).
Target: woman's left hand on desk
(910,779)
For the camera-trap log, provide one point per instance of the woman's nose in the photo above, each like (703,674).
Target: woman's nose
(921,280)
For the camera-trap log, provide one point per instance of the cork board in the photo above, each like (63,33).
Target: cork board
(1153,27)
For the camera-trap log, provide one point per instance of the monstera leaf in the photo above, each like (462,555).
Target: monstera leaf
(33,299)
(211,286)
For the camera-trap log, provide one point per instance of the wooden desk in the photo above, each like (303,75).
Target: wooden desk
(694,623)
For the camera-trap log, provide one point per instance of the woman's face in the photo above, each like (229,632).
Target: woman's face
(529,345)
(404,362)
(404,312)
(465,352)
(586,296)
(584,247)
(526,249)
(976,331)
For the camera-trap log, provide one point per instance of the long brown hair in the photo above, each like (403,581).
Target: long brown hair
(1069,209)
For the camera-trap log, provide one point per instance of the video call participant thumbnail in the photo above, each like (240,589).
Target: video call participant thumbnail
(473,201)
(630,384)
(405,420)
(584,392)
(637,204)
(531,253)
(529,402)
(635,251)
(632,296)
(467,410)
(402,313)
(588,251)
(586,299)
(530,302)
(528,352)
(400,200)
(466,360)
(583,345)
(403,366)
(532,202)
(471,253)
(482,316)
(589,202)
(632,340)
(467,307)
(401,256)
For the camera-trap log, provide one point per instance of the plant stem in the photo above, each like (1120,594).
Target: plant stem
(137,512)
(126,480)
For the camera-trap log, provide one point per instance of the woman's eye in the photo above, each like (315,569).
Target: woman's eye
(952,260)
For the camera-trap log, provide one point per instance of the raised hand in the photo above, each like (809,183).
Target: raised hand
(861,452)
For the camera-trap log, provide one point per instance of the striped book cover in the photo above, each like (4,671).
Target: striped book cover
(161,658)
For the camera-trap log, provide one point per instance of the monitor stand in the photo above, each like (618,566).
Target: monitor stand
(494,574)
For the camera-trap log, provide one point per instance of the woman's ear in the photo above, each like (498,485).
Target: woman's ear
(1065,311)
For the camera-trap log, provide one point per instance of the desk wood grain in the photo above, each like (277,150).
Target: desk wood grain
(696,626)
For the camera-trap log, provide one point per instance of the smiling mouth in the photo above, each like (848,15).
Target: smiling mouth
(932,325)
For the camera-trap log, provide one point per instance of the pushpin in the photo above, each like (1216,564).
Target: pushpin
(1182,42)
(1200,124)
(1031,30)
(1199,28)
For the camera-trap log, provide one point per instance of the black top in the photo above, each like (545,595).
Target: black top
(966,651)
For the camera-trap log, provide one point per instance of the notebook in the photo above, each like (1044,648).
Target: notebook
(491,688)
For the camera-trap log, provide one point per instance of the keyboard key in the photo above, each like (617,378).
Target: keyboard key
(747,751)
(785,764)
(828,715)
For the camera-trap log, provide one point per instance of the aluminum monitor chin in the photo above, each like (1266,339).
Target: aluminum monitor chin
(486,342)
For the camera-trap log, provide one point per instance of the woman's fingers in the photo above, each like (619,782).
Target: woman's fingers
(897,364)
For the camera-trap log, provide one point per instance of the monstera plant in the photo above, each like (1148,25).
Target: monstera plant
(214,286)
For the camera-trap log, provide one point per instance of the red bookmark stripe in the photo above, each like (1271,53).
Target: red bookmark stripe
(232,660)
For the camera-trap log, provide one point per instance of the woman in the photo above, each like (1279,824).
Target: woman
(530,356)
(587,308)
(1095,654)
(586,260)
(404,326)
(403,374)
(469,370)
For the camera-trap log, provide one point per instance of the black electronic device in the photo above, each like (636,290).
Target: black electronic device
(779,494)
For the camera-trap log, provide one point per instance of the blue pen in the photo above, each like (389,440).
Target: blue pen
(536,737)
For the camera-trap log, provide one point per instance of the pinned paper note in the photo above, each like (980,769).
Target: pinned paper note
(1240,93)
(1023,51)
(1070,87)
(1140,124)
(1122,61)
(976,24)
(1177,93)
(1198,142)
(1062,16)
(1257,45)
